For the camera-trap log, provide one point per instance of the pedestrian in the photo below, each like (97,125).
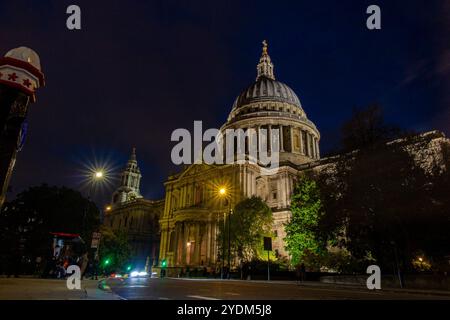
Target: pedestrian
(302,272)
(95,269)
(297,274)
(60,271)
(38,267)
(83,264)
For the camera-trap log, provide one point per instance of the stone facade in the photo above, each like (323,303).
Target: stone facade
(194,209)
(137,216)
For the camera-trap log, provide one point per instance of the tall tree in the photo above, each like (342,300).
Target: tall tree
(303,239)
(250,222)
(36,212)
(367,127)
(388,205)
(114,250)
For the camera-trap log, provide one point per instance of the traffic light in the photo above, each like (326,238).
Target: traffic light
(164,263)
(106,261)
(128,268)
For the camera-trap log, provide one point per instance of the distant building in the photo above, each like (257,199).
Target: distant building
(137,216)
(194,209)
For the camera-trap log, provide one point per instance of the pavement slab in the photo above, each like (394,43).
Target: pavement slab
(50,289)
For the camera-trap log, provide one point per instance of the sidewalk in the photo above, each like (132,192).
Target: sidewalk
(317,284)
(29,288)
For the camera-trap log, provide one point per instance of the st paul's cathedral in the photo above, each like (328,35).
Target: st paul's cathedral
(190,214)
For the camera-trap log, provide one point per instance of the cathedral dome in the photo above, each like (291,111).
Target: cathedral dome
(268,104)
(266,95)
(267,89)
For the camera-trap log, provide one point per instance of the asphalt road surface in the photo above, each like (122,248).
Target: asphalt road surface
(201,289)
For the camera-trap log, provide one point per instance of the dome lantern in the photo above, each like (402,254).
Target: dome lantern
(265,66)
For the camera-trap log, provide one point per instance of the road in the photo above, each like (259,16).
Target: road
(202,289)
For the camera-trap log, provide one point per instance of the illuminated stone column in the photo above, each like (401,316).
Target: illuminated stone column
(302,143)
(317,148)
(20,76)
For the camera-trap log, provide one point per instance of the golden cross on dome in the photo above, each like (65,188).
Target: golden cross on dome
(264,46)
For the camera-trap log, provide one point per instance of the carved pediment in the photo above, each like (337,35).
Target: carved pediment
(196,170)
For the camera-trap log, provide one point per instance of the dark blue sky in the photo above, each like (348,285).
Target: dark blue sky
(138,70)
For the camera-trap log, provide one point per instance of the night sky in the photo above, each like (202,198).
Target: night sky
(138,70)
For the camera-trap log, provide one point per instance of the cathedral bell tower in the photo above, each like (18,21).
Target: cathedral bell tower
(129,182)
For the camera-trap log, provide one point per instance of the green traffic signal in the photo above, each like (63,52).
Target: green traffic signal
(163,263)
(106,262)
(128,268)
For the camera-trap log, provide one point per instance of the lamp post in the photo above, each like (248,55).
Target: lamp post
(96,176)
(223,193)
(229,242)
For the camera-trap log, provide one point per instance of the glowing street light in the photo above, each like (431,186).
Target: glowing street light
(98,174)
(223,193)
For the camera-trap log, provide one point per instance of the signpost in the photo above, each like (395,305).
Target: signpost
(268,247)
(95,243)
(95,240)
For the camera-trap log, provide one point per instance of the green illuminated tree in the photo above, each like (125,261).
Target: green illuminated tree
(302,231)
(250,222)
(114,250)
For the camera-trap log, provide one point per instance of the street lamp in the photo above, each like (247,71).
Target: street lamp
(98,174)
(223,193)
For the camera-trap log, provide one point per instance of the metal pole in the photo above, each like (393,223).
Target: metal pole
(223,247)
(398,267)
(86,208)
(268,265)
(168,237)
(229,243)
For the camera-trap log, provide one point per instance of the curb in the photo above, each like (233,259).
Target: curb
(326,285)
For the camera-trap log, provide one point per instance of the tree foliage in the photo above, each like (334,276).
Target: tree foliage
(377,203)
(114,248)
(303,240)
(250,221)
(385,207)
(37,211)
(367,127)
